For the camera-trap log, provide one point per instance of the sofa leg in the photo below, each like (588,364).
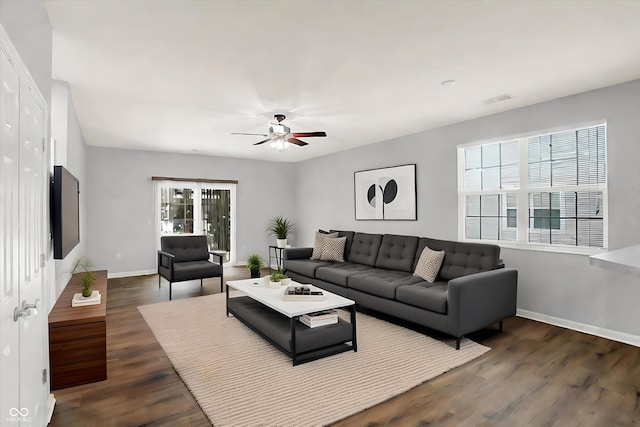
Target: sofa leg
(501,326)
(200,282)
(458,343)
(221,284)
(169,291)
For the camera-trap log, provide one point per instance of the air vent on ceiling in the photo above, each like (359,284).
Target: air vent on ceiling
(498,98)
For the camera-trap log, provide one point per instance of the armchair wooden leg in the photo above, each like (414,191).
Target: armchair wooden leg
(221,283)
(159,279)
(170,291)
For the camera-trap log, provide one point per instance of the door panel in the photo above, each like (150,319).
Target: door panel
(9,297)
(31,225)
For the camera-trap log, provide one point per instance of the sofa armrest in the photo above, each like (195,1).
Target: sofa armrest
(219,255)
(480,299)
(297,253)
(162,254)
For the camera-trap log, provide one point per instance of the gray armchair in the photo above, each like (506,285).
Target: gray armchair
(184,258)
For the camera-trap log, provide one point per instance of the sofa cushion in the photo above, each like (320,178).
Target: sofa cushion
(462,258)
(364,249)
(429,264)
(318,244)
(306,267)
(333,249)
(340,272)
(381,282)
(430,296)
(349,236)
(190,270)
(186,248)
(397,252)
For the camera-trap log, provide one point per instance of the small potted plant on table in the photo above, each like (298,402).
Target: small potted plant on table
(281,227)
(88,277)
(278,278)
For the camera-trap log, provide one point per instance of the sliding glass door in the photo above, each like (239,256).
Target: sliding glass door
(208,208)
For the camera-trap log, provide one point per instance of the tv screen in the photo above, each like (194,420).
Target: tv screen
(65,212)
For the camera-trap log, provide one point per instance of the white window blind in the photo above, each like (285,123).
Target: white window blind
(560,179)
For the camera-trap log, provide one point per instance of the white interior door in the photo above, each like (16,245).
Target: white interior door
(34,327)
(9,293)
(23,236)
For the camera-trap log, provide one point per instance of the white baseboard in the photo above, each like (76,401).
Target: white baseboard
(51,404)
(130,273)
(581,327)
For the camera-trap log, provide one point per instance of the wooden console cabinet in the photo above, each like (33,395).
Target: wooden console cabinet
(78,336)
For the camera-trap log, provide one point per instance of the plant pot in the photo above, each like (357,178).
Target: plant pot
(282,243)
(255,274)
(89,294)
(274,284)
(285,282)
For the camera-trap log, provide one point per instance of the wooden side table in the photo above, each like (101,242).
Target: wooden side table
(78,336)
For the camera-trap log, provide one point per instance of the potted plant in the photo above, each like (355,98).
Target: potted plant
(88,277)
(278,278)
(281,227)
(254,262)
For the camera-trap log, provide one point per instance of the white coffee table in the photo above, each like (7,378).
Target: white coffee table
(262,309)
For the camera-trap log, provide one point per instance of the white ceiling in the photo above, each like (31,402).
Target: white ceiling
(181,75)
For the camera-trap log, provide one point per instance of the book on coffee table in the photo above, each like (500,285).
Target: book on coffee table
(319,318)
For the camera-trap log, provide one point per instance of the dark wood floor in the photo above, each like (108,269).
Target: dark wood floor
(535,375)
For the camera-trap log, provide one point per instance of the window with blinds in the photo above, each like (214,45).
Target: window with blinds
(545,189)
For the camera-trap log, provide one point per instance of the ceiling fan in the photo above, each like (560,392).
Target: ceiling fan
(280,135)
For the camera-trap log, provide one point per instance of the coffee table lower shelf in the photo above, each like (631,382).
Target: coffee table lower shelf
(298,341)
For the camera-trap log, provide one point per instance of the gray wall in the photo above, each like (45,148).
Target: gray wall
(27,24)
(120,202)
(69,151)
(554,287)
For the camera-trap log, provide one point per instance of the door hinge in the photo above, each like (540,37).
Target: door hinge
(44,375)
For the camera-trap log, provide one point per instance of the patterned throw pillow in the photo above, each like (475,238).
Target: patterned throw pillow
(429,264)
(318,244)
(333,249)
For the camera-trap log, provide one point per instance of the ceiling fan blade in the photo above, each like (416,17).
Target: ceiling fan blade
(308,134)
(297,142)
(263,141)
(244,133)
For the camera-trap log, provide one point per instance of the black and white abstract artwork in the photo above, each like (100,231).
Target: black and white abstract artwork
(386,193)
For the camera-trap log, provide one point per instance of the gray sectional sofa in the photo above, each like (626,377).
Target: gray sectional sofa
(471,291)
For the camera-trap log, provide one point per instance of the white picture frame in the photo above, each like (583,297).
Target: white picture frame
(387,194)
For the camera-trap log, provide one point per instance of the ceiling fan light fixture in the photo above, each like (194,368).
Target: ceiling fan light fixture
(281,144)
(275,129)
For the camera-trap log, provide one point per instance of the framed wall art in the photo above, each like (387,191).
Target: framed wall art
(386,193)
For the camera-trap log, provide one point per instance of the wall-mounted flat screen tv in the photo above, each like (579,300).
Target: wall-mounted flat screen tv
(65,212)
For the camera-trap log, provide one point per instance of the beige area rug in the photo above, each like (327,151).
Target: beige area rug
(239,379)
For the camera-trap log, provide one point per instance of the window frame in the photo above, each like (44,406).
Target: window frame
(196,186)
(524,189)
